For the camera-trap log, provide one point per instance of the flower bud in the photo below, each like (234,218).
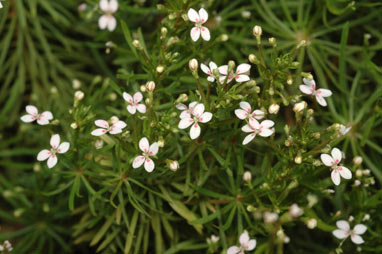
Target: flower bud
(114,119)
(150,86)
(7,194)
(310,112)
(74,125)
(160,68)
(272,41)
(148,101)
(317,135)
(351,218)
(223,37)
(37,167)
(366,217)
(311,223)
(253,59)
(173,165)
(357,160)
(143,88)
(137,44)
(112,96)
(53,90)
(298,159)
(82,7)
(257,31)
(270,217)
(76,84)
(251,208)
(295,211)
(273,108)
(161,142)
(18,212)
(182,98)
(247,176)
(98,144)
(289,81)
(193,64)
(79,95)
(231,65)
(366,172)
(358,173)
(163,31)
(298,107)
(357,183)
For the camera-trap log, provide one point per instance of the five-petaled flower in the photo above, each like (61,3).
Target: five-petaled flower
(241,74)
(134,104)
(148,151)
(245,112)
(42,119)
(310,88)
(264,129)
(56,148)
(246,244)
(186,111)
(199,19)
(198,116)
(337,170)
(209,70)
(109,7)
(344,231)
(115,128)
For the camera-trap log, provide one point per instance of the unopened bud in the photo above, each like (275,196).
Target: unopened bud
(82,7)
(74,125)
(311,223)
(193,64)
(289,81)
(298,107)
(357,183)
(273,108)
(182,98)
(98,144)
(253,59)
(79,95)
(112,96)
(295,211)
(231,65)
(223,37)
(114,119)
(137,44)
(357,160)
(270,217)
(272,41)
(148,101)
(358,173)
(257,31)
(366,217)
(143,88)
(76,84)
(150,86)
(312,200)
(163,31)
(247,176)
(36,167)
(173,165)
(18,212)
(298,159)
(366,172)
(160,68)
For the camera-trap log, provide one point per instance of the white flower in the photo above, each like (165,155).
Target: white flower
(148,151)
(295,211)
(186,111)
(344,130)
(42,119)
(254,127)
(241,74)
(198,116)
(56,148)
(134,104)
(344,231)
(337,170)
(310,88)
(245,112)
(199,19)
(109,7)
(209,70)
(115,128)
(246,244)
(213,239)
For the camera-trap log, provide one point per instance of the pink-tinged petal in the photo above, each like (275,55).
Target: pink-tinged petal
(336,178)
(115,131)
(27,118)
(223,70)
(149,165)
(113,6)
(340,234)
(251,245)
(233,250)
(356,239)
(43,155)
(210,79)
(138,161)
(242,78)
(360,229)
(265,132)
(205,33)
(267,123)
(55,141)
(321,100)
(103,21)
(241,114)
(344,225)
(52,161)
(104,5)
(138,97)
(247,128)
(198,110)
(254,123)
(141,108)
(119,125)
(327,160)
(213,66)
(221,79)
(195,131)
(345,172)
(185,123)
(111,23)
(127,97)
(132,109)
(203,15)
(42,121)
(193,15)
(310,83)
(153,150)
(185,114)
(47,115)
(192,105)
(144,145)
(99,132)
(249,138)
(195,33)
(324,92)
(244,238)
(102,123)
(205,117)
(245,106)
(32,110)
(258,114)
(63,148)
(205,69)
(181,106)
(336,155)
(305,89)
(243,68)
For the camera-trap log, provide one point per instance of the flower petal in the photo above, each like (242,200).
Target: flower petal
(357,239)
(192,105)
(241,114)
(132,109)
(245,106)
(127,97)
(321,100)
(210,79)
(309,83)
(193,15)
(119,125)
(306,89)
(254,123)
(113,6)
(340,234)
(138,161)
(103,21)
(153,150)
(111,23)
(46,115)
(141,108)
(213,66)
(42,121)
(327,160)
(181,106)
(205,117)
(336,178)
(265,132)
(249,138)
(205,33)
(115,131)
(52,161)
(242,78)
(28,118)
(138,97)
(251,245)
(98,132)
(43,155)
(194,131)
(55,141)
(360,229)
(144,144)
(63,148)
(247,128)
(345,172)
(185,114)
(324,92)
(102,124)
(267,123)
(32,110)
(244,238)
(258,114)
(243,68)
(149,165)
(205,69)
(198,110)
(336,155)
(233,250)
(185,122)
(223,69)
(203,15)
(195,33)
(104,5)
(344,225)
